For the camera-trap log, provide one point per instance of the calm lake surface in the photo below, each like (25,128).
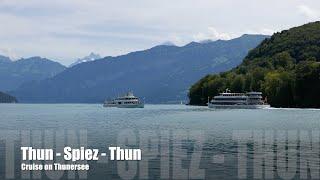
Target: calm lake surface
(186,130)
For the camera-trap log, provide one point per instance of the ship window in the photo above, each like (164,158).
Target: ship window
(230,99)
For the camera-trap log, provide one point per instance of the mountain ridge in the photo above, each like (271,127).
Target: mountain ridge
(5,59)
(164,72)
(15,73)
(91,57)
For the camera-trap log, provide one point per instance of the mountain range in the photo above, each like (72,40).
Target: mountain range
(161,74)
(14,73)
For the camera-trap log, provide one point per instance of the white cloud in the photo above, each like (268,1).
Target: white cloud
(264,31)
(308,12)
(267,31)
(212,34)
(9,53)
(65,30)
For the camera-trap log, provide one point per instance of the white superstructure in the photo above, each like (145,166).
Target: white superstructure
(127,101)
(250,100)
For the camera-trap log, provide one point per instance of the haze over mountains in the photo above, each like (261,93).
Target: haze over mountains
(161,74)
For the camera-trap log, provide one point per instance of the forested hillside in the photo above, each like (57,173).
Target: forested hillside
(285,67)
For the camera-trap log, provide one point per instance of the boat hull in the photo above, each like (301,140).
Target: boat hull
(131,106)
(109,105)
(125,105)
(217,106)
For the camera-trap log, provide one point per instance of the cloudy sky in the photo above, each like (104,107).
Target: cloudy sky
(64,30)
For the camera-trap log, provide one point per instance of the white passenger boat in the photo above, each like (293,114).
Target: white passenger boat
(127,101)
(228,100)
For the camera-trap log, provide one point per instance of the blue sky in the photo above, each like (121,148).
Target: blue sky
(64,30)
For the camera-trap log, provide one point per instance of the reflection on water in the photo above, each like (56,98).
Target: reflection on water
(268,142)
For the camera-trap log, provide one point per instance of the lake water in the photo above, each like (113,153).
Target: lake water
(177,141)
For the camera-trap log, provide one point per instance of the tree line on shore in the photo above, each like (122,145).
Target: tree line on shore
(6,98)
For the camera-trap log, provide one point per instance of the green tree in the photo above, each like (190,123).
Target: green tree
(278,88)
(238,84)
(308,84)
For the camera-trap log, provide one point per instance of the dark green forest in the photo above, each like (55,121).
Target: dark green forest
(285,67)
